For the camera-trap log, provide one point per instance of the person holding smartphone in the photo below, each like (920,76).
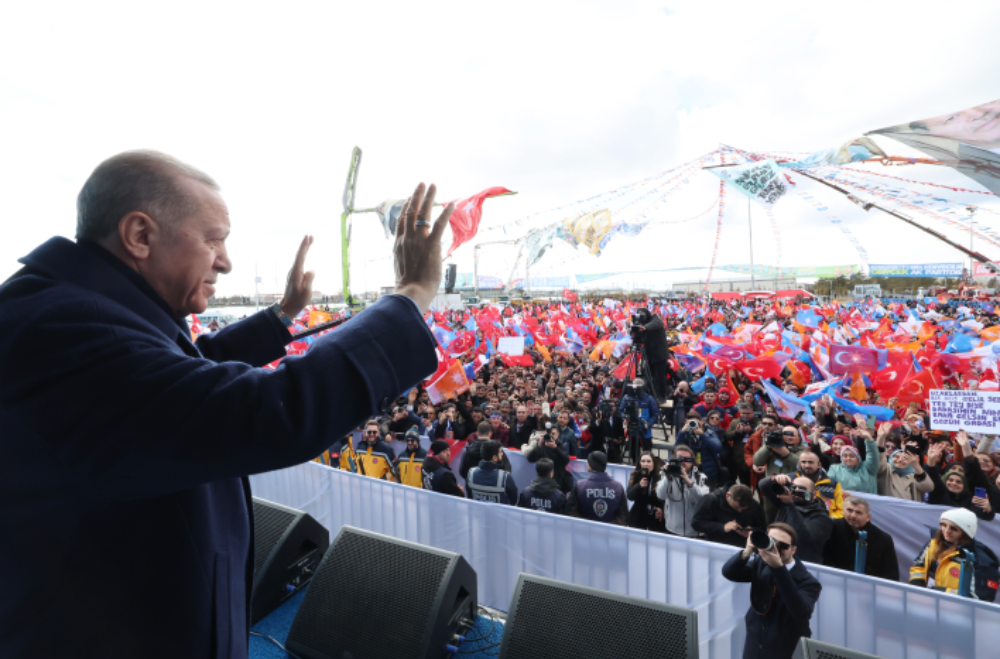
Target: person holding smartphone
(969,490)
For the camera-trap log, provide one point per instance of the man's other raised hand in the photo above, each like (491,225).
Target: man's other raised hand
(417,252)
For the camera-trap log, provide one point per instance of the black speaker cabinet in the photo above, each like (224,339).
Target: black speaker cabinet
(376,597)
(559,620)
(810,649)
(288,546)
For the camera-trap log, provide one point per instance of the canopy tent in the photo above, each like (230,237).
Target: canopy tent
(728,295)
(758,294)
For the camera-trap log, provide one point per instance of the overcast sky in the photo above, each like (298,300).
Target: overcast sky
(556,100)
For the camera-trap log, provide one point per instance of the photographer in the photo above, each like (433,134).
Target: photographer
(782,593)
(684,401)
(727,515)
(643,485)
(797,505)
(707,448)
(638,407)
(681,488)
(777,456)
(740,430)
(546,444)
(600,429)
(649,330)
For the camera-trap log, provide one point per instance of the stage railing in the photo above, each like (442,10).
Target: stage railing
(887,619)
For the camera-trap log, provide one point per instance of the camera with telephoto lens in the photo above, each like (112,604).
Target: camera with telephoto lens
(778,488)
(606,408)
(761,541)
(638,319)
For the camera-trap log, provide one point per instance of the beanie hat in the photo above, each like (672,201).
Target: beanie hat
(598,461)
(438,446)
(963,519)
(412,434)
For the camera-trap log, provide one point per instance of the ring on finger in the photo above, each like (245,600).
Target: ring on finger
(422,223)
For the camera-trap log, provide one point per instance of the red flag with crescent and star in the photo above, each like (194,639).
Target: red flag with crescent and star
(757,369)
(852,359)
(917,388)
(465,220)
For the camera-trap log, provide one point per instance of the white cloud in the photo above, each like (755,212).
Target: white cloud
(557,100)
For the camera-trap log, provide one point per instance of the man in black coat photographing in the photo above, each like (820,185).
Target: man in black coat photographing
(649,330)
(782,592)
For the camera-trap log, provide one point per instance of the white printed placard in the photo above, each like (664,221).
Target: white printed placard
(511,345)
(973,411)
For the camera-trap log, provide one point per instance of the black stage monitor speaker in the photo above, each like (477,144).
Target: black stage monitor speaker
(449,280)
(559,620)
(382,598)
(810,649)
(288,546)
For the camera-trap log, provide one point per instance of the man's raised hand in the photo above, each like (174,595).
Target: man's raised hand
(298,287)
(417,252)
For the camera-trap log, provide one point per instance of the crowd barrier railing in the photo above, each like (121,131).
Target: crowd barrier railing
(884,618)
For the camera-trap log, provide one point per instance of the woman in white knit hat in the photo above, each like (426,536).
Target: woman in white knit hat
(936,567)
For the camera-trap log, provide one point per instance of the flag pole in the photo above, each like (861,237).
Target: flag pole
(753,281)
(345,238)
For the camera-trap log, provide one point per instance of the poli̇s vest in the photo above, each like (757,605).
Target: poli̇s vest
(495,492)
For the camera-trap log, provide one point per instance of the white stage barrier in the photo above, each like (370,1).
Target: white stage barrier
(883,618)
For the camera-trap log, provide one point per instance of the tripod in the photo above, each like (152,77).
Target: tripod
(639,367)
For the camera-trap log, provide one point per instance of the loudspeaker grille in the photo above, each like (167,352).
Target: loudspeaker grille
(363,590)
(559,623)
(269,524)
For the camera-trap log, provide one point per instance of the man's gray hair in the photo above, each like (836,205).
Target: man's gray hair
(858,501)
(146,181)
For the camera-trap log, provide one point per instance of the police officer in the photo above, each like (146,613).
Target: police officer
(489,482)
(598,497)
(543,493)
(437,472)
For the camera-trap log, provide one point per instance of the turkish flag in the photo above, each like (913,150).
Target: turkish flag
(718,365)
(519,360)
(917,387)
(468,212)
(852,359)
(462,344)
(946,365)
(759,369)
(569,295)
(625,370)
(801,374)
(889,380)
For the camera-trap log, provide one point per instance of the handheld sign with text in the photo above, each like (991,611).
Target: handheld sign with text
(974,411)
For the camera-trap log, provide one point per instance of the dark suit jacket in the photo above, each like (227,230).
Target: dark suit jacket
(880,555)
(795,591)
(123,497)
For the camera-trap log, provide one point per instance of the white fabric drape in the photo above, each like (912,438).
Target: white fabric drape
(883,618)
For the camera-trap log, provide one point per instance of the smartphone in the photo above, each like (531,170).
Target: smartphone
(872,421)
(980,492)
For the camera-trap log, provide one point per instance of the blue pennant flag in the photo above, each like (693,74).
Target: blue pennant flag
(787,405)
(879,412)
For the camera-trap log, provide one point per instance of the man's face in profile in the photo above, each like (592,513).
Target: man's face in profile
(184,263)
(978,126)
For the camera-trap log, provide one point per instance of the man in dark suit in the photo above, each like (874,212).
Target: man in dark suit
(521,428)
(782,595)
(126,446)
(842,551)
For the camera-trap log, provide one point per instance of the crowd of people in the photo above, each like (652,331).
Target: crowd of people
(783,440)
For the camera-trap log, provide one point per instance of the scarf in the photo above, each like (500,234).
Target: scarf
(900,472)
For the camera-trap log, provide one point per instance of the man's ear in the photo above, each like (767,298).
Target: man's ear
(137,231)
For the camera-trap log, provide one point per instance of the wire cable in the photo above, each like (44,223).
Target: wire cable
(276,642)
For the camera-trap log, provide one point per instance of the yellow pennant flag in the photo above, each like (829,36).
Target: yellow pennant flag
(858,391)
(544,351)
(317,317)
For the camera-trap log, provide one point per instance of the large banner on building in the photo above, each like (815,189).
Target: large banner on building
(917,270)
(968,140)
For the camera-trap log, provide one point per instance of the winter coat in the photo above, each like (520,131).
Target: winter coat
(680,501)
(862,479)
(543,494)
(810,520)
(880,554)
(645,501)
(714,512)
(911,487)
